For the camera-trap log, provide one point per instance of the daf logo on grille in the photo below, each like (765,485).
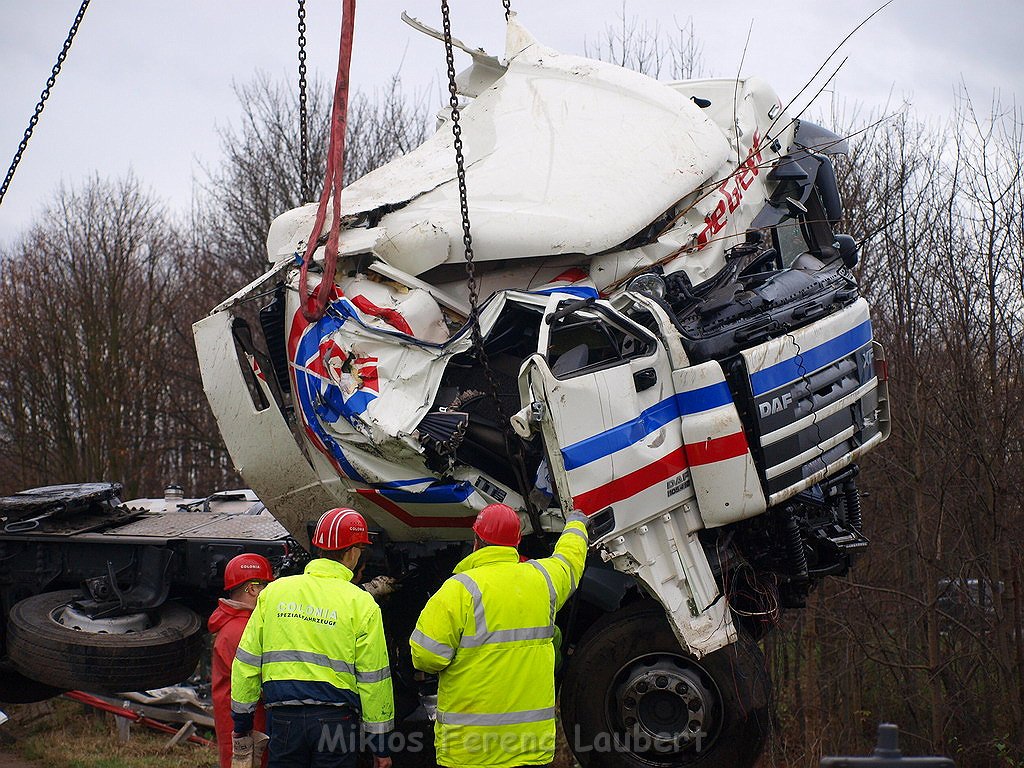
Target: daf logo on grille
(775,405)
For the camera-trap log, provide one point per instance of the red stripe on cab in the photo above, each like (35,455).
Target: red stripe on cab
(414,521)
(716,449)
(631,484)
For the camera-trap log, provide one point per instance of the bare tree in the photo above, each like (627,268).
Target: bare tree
(927,630)
(634,44)
(85,376)
(259,176)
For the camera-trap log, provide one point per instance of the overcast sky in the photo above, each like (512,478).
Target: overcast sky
(147,83)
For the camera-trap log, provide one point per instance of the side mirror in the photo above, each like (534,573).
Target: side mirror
(848,250)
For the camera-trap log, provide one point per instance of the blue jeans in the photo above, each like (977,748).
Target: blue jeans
(312,736)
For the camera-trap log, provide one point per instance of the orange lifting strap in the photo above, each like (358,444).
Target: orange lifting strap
(314,307)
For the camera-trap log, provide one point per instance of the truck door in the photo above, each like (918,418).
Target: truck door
(610,415)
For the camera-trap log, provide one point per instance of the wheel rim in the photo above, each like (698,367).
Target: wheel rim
(664,708)
(68,616)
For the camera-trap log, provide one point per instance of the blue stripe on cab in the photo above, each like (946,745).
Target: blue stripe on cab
(814,358)
(403,483)
(307,391)
(610,441)
(447,493)
(581,291)
(615,439)
(704,399)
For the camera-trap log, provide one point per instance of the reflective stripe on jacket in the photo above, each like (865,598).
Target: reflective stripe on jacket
(315,639)
(488,633)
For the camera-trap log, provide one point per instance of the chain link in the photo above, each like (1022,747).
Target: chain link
(307,193)
(512,443)
(43,97)
(508,8)
(460,172)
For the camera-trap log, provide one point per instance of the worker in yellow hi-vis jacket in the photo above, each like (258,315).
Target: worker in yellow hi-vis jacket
(315,646)
(488,633)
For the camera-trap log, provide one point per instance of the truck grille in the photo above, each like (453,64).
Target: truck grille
(813,400)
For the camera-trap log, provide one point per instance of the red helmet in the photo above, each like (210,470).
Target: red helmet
(247,567)
(339,529)
(498,524)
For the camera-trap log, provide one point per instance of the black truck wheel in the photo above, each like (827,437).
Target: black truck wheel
(147,651)
(633,698)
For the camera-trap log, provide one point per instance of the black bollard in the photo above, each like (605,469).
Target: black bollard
(887,755)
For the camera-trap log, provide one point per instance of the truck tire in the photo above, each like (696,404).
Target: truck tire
(633,698)
(43,649)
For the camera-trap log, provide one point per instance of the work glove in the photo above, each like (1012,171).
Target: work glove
(247,751)
(259,746)
(429,704)
(380,586)
(241,750)
(577,516)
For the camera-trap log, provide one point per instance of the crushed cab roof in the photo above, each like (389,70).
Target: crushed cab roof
(564,155)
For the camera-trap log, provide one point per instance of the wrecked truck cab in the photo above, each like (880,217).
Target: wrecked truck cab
(676,344)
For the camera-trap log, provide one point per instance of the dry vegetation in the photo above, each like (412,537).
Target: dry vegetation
(65,734)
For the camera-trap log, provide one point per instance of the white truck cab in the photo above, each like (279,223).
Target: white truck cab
(673,343)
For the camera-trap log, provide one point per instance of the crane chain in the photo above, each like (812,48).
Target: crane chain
(460,172)
(304,188)
(511,441)
(43,97)
(508,8)
(460,165)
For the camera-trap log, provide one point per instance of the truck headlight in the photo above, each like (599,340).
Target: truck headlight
(649,284)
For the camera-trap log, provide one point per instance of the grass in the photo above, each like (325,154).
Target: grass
(65,734)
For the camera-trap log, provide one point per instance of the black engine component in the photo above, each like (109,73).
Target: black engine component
(754,307)
(774,560)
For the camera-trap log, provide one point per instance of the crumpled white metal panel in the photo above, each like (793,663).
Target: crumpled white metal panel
(563,155)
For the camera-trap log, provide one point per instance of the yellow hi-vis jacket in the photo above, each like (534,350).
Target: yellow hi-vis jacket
(488,633)
(315,639)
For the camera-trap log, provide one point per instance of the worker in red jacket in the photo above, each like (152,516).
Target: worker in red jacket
(245,576)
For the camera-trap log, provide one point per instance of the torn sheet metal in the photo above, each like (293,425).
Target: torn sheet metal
(564,155)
